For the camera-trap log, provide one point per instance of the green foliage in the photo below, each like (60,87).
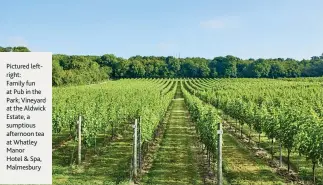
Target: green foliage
(6,49)
(206,119)
(289,111)
(226,66)
(104,107)
(79,70)
(14,49)
(20,49)
(260,68)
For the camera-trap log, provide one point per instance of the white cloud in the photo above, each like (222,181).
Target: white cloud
(17,41)
(220,23)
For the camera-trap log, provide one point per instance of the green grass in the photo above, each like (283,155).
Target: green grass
(298,163)
(241,167)
(60,138)
(109,164)
(177,157)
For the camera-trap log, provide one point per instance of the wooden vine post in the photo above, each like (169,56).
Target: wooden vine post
(280,156)
(220,133)
(79,149)
(135,149)
(139,146)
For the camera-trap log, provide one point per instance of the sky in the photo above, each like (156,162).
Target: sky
(189,28)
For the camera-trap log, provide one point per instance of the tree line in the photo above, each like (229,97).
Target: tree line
(14,49)
(77,69)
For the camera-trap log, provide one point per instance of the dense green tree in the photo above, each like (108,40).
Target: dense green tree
(20,49)
(260,68)
(242,67)
(121,68)
(212,67)
(201,65)
(226,66)
(173,65)
(136,69)
(5,49)
(276,70)
(78,70)
(292,68)
(57,73)
(107,60)
(189,68)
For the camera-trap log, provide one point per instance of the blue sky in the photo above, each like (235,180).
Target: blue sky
(206,28)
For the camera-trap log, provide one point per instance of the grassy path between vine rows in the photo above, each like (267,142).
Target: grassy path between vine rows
(109,165)
(242,167)
(177,160)
(299,164)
